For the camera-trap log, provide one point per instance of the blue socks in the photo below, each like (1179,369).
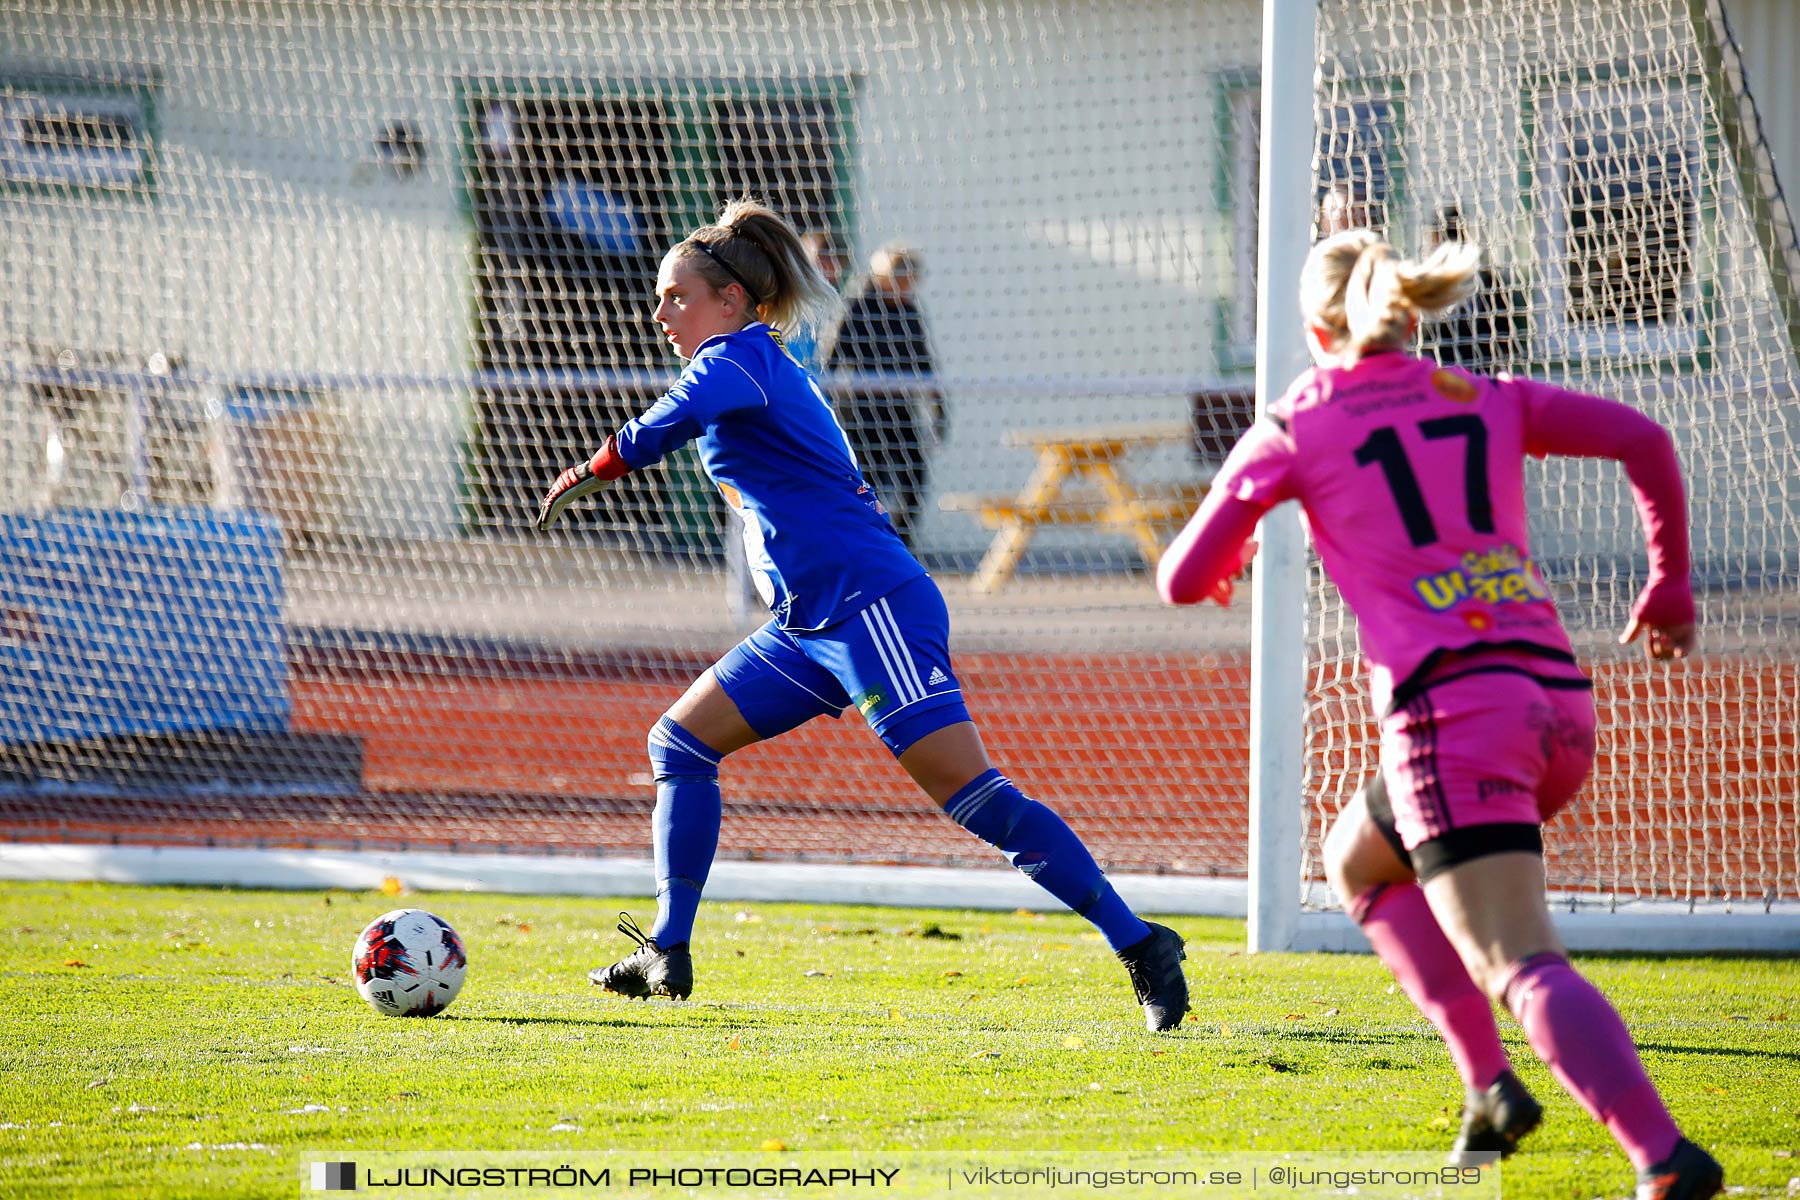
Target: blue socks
(685,827)
(1040,844)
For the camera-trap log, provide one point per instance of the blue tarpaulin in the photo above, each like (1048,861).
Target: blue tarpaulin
(121,623)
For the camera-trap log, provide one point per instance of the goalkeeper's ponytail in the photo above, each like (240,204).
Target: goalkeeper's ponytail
(751,246)
(1358,289)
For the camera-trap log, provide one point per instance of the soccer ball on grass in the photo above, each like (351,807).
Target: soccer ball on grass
(409,963)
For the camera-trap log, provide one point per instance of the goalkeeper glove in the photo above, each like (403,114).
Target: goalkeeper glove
(582,479)
(1664,610)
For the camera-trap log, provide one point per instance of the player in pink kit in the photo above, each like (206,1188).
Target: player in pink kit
(1412,480)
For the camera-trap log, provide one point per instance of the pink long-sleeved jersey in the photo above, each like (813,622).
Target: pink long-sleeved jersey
(1412,479)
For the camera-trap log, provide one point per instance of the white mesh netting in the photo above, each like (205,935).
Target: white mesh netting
(306,303)
(1637,247)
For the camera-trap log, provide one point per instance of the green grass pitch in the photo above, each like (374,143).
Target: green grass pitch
(191,1042)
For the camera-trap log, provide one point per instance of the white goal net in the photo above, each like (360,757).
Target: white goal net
(1610,160)
(307,303)
(302,305)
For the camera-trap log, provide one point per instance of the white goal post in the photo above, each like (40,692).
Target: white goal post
(1278,592)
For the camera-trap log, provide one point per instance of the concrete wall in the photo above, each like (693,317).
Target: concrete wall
(1053,163)
(1056,163)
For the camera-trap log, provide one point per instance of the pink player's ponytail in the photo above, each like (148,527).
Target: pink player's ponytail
(1357,287)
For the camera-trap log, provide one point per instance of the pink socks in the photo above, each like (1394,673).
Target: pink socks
(1570,1025)
(1406,936)
(1580,1037)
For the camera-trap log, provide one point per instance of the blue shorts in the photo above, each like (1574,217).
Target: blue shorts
(891,661)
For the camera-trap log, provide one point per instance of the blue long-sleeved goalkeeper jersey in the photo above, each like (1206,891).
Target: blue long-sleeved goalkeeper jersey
(819,545)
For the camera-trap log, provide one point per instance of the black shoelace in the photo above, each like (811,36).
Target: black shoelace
(630,928)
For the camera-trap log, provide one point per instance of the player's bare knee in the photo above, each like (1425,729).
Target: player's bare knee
(945,761)
(1490,963)
(1357,857)
(1343,880)
(1491,974)
(1337,850)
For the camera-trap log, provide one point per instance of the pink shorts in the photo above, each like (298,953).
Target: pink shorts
(1495,744)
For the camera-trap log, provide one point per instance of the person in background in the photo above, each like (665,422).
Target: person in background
(883,339)
(1411,476)
(1345,207)
(1479,333)
(810,345)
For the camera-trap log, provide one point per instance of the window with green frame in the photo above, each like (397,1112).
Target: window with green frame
(1358,157)
(1359,164)
(686,145)
(1617,181)
(1238,118)
(575,190)
(61,133)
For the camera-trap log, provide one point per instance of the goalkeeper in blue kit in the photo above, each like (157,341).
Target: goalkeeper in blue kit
(857,621)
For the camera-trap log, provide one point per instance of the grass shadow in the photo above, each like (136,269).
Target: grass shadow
(1792,1056)
(1359,1037)
(578,1022)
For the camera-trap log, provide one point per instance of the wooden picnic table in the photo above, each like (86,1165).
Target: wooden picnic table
(1089,458)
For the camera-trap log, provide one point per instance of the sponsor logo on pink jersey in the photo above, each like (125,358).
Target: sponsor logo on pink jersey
(1498,575)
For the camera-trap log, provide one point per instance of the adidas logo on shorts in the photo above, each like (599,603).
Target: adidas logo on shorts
(937,677)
